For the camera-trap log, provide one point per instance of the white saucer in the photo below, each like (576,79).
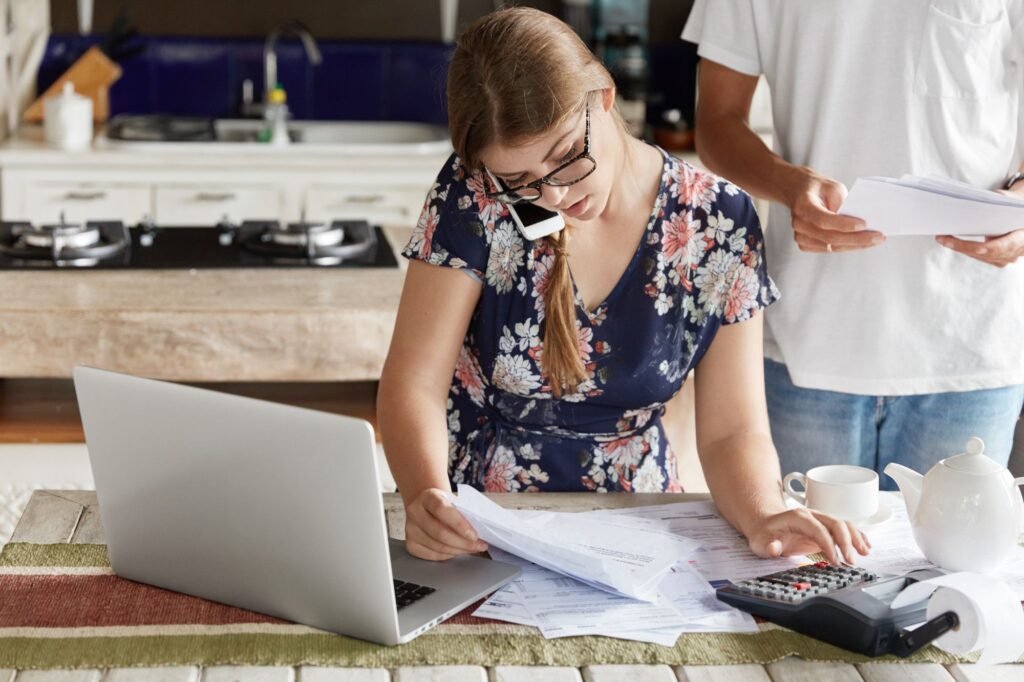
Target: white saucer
(883,514)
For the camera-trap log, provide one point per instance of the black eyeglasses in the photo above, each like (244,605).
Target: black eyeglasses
(569,173)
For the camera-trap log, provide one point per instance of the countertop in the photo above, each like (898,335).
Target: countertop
(269,324)
(28,148)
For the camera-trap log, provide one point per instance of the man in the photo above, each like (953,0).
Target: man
(880,349)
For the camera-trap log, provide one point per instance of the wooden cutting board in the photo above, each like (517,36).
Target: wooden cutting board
(92,76)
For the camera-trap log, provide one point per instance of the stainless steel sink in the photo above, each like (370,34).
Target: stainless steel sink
(307,137)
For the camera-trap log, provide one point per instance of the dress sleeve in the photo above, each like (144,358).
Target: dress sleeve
(734,266)
(457,222)
(725,32)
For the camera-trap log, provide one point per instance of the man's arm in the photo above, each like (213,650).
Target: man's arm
(728,147)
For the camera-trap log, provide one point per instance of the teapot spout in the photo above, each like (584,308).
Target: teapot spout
(909,482)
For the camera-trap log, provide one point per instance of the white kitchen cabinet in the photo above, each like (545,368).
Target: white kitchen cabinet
(205,205)
(46,201)
(390,206)
(177,188)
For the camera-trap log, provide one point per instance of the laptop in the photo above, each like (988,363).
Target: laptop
(268,507)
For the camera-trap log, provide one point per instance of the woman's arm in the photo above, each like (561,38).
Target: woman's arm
(739,460)
(433,315)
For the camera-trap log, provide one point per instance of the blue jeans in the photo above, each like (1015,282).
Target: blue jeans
(812,427)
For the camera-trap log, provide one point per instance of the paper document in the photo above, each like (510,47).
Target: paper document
(562,607)
(685,601)
(624,556)
(724,553)
(931,205)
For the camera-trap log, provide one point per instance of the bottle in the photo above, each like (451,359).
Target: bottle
(67,119)
(276,115)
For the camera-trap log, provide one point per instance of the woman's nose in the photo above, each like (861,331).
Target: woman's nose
(553,196)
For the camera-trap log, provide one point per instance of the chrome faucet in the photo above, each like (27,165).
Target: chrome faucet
(288,26)
(296,28)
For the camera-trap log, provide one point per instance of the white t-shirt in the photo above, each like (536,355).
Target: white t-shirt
(886,87)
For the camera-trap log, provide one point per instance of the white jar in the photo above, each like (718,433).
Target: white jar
(67,120)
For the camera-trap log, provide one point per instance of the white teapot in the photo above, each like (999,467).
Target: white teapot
(967,512)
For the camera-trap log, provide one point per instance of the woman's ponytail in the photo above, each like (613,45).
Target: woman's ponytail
(561,362)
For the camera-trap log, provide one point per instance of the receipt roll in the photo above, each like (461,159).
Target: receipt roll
(991,617)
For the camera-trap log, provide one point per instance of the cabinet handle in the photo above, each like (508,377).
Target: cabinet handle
(85,196)
(361,199)
(216,196)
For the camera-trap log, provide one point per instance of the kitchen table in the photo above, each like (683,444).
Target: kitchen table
(53,517)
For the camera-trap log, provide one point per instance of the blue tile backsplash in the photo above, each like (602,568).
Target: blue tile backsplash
(356,81)
(203,77)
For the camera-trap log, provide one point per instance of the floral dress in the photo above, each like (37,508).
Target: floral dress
(700,264)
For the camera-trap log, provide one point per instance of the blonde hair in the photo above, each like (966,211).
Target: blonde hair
(517,74)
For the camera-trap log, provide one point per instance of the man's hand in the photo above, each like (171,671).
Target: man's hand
(813,201)
(998,251)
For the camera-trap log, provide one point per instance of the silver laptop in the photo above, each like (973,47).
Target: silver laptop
(268,507)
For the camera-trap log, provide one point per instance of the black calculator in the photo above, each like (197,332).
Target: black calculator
(842,605)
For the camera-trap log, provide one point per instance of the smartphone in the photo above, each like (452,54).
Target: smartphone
(533,221)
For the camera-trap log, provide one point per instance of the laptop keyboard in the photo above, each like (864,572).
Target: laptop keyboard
(409,593)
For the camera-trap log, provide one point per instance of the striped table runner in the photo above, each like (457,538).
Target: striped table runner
(61,606)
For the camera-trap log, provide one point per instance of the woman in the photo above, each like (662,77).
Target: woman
(565,350)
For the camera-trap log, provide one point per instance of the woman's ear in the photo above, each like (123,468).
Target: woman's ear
(608,98)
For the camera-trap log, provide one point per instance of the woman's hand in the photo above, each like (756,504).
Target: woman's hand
(805,531)
(435,530)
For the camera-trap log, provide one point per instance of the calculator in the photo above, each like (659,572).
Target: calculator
(842,605)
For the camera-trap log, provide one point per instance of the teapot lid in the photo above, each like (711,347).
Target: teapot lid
(973,460)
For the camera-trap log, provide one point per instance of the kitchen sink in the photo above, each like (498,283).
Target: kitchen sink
(170,133)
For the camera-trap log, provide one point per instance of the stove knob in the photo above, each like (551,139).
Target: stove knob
(226,231)
(147,231)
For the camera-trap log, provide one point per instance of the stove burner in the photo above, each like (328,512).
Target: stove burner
(60,236)
(63,243)
(300,234)
(305,242)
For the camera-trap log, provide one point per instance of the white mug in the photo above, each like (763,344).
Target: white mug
(844,491)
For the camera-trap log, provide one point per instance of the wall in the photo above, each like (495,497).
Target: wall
(329,19)
(383,59)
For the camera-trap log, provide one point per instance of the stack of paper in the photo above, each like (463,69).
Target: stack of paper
(563,607)
(581,571)
(621,555)
(931,205)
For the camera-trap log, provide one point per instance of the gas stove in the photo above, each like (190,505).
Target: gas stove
(250,244)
